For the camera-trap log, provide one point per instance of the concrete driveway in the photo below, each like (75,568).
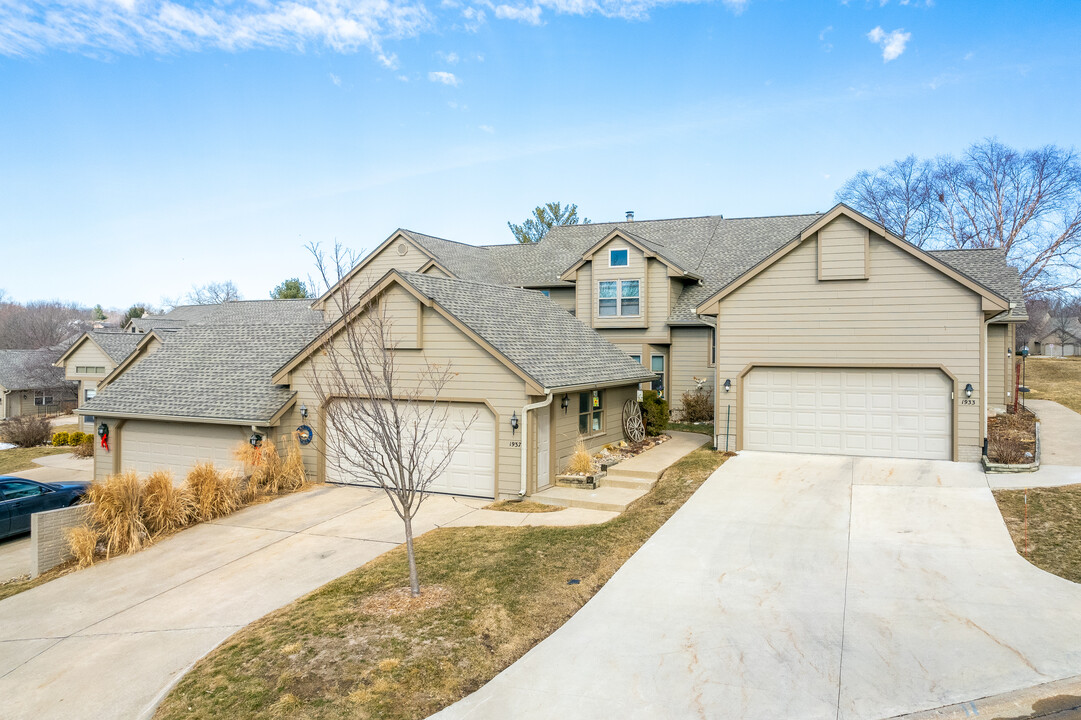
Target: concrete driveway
(794,586)
(109,641)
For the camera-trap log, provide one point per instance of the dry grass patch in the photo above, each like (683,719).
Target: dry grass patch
(581,462)
(1054,527)
(215,493)
(117,513)
(1057,379)
(522,506)
(166,507)
(21,458)
(336,654)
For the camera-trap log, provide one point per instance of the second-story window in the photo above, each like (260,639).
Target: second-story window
(617,258)
(617,298)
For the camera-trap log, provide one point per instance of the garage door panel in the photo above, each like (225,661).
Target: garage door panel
(471,470)
(146,446)
(879,412)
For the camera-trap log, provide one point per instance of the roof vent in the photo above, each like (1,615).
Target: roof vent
(630,216)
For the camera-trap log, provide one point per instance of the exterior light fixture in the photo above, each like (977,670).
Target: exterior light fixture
(513,423)
(255,440)
(727,385)
(303,410)
(1009,352)
(565,403)
(1024,351)
(968,390)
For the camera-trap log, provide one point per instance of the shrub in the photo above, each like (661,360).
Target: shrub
(1008,451)
(84,449)
(655,412)
(293,474)
(581,462)
(26,431)
(698,405)
(61,438)
(83,544)
(117,513)
(78,438)
(166,507)
(214,493)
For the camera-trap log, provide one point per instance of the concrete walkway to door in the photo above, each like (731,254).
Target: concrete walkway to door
(110,640)
(806,586)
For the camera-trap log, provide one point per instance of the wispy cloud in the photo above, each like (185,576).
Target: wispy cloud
(446,78)
(826,45)
(531,15)
(532,12)
(450,58)
(892,43)
(487,128)
(335,79)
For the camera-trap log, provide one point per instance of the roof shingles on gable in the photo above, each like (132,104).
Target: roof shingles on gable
(30,370)
(990,268)
(219,369)
(117,345)
(541,338)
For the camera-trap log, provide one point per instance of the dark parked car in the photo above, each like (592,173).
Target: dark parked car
(20,498)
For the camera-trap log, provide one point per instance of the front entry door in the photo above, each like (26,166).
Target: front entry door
(544,455)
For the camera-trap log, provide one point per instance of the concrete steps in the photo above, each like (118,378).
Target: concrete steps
(612,499)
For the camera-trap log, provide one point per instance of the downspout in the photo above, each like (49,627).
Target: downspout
(986,364)
(525,437)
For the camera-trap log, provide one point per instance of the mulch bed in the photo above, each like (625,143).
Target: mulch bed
(1010,436)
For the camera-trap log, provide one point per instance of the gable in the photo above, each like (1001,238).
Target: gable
(87,355)
(397,252)
(844,250)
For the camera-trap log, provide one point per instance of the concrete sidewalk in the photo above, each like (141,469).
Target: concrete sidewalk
(109,641)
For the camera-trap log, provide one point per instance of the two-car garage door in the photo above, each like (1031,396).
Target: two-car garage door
(146,446)
(471,470)
(849,411)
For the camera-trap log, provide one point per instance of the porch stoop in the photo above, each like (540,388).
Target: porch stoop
(627,481)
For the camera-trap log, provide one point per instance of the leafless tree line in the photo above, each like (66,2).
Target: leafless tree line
(1027,202)
(40,324)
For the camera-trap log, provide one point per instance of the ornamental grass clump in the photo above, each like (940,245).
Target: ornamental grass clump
(293,474)
(213,492)
(581,462)
(83,544)
(167,507)
(116,514)
(265,472)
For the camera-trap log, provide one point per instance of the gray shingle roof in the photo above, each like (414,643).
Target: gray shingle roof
(30,370)
(175,318)
(988,267)
(537,335)
(117,345)
(218,369)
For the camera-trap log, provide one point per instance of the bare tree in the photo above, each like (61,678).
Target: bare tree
(213,293)
(901,197)
(384,423)
(1035,327)
(1028,203)
(40,324)
(1064,317)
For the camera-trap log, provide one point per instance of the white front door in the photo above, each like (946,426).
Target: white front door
(544,454)
(852,411)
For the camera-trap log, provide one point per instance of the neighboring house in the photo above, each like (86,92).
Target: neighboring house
(91,358)
(834,337)
(175,319)
(31,385)
(1057,339)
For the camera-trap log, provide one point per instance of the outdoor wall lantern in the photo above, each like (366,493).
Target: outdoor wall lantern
(968,390)
(255,440)
(565,403)
(303,410)
(727,385)
(513,423)
(1024,351)
(1009,352)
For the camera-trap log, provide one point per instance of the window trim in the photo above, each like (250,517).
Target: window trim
(663,373)
(45,400)
(619,298)
(590,412)
(626,256)
(711,360)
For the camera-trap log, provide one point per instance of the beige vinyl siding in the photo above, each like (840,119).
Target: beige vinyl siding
(565,424)
(906,314)
(375,268)
(149,445)
(281,435)
(997,368)
(634,270)
(435,271)
(688,358)
(658,298)
(584,294)
(402,316)
(842,249)
(88,355)
(564,297)
(478,376)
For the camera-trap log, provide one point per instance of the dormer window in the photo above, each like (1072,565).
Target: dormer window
(617,298)
(617,258)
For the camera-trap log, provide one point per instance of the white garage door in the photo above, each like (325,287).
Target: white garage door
(146,446)
(472,468)
(886,413)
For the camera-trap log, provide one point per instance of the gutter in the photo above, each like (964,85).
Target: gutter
(601,384)
(170,418)
(525,437)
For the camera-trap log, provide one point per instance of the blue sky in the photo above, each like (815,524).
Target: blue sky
(148,145)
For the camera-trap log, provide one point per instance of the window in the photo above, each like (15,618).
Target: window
(617,297)
(656,364)
(89,393)
(591,412)
(713,346)
(546,293)
(636,358)
(21,489)
(89,370)
(43,399)
(617,258)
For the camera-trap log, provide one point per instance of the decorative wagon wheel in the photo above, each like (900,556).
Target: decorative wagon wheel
(633,427)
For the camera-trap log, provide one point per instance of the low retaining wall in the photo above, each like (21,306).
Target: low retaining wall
(995,468)
(48,536)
